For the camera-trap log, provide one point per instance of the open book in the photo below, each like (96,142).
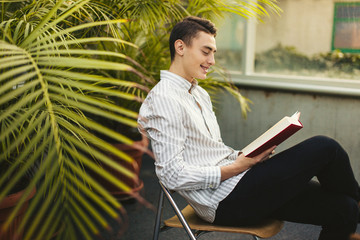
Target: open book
(274,136)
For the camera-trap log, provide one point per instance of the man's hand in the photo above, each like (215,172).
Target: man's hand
(264,155)
(243,163)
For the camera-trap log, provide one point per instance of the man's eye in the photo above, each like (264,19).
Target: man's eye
(206,53)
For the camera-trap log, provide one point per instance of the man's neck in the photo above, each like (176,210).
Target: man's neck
(178,71)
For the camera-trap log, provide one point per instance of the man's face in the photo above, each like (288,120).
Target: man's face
(199,56)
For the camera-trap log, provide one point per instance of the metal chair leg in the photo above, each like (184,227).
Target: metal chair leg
(158,216)
(178,213)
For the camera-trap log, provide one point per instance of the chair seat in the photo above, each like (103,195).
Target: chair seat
(264,230)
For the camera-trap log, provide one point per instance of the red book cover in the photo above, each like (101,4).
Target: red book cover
(278,133)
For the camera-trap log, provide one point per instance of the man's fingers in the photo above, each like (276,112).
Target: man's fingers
(267,156)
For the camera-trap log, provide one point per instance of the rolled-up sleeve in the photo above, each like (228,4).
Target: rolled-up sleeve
(162,118)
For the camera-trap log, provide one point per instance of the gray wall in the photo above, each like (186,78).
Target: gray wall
(333,116)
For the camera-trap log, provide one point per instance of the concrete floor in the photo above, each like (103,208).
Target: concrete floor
(141,219)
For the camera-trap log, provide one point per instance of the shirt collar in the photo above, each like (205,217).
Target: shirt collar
(178,80)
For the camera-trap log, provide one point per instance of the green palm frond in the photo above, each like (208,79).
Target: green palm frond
(150,14)
(245,8)
(219,81)
(49,84)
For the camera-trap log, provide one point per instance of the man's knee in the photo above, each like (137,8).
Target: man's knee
(329,146)
(326,141)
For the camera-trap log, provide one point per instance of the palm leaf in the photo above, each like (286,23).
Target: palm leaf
(57,82)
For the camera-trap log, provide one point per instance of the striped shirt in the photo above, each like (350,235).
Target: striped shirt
(178,118)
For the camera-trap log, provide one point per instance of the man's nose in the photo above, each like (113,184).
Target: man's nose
(211,59)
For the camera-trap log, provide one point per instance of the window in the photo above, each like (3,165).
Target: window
(346,32)
(231,42)
(293,51)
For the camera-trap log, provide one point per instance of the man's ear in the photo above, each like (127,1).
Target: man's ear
(179,47)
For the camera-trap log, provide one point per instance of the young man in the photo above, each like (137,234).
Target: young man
(220,183)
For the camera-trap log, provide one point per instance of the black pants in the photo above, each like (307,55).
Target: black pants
(281,188)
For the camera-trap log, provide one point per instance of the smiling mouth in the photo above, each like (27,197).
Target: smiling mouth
(206,69)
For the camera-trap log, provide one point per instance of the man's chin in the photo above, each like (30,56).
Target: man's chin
(201,76)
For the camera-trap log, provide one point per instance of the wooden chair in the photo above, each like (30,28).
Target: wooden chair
(195,227)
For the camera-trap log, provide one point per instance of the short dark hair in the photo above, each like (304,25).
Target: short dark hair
(188,29)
